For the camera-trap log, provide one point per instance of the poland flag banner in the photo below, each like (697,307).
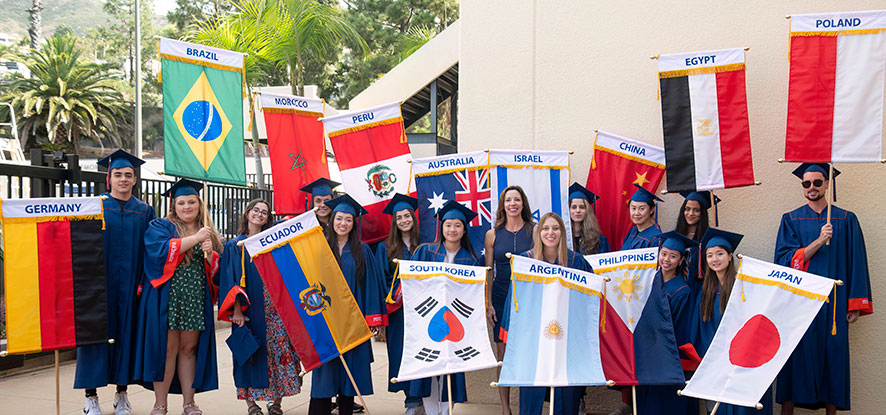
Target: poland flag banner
(704,111)
(835,96)
(445,321)
(769,310)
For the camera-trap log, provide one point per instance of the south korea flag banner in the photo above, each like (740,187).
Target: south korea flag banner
(768,312)
(444,321)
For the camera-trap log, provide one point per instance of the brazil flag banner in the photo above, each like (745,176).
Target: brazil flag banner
(202,112)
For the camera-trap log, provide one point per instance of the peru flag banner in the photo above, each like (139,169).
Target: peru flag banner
(297,148)
(308,290)
(54,263)
(444,320)
(704,111)
(373,156)
(617,164)
(637,343)
(835,97)
(769,310)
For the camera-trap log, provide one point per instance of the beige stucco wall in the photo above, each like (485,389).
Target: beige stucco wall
(545,74)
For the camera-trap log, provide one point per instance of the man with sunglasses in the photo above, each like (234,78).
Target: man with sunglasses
(817,373)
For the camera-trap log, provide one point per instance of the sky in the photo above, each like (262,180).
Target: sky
(161,7)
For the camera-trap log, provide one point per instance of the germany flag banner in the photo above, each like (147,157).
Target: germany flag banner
(54,273)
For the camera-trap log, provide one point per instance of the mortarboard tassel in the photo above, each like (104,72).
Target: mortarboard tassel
(389,299)
(603,316)
(243,266)
(834,305)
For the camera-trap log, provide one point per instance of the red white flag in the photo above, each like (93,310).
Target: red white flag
(373,156)
(616,165)
(835,97)
(297,148)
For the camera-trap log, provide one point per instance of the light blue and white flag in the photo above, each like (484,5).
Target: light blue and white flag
(555,315)
(543,175)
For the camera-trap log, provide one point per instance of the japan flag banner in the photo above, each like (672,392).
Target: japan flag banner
(768,312)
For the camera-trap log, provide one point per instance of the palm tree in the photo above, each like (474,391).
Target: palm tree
(68,96)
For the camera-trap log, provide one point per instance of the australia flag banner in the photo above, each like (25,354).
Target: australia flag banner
(445,320)
(462,177)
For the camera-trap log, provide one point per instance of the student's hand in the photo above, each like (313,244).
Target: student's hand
(238,318)
(827,231)
(203,233)
(206,246)
(490,315)
(852,316)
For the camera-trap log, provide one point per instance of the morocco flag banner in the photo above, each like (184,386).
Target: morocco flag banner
(616,165)
(54,263)
(297,148)
(373,156)
(704,111)
(835,97)
(757,335)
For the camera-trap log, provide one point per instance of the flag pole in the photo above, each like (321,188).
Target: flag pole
(634,397)
(716,214)
(354,384)
(449,389)
(716,406)
(58,402)
(551,407)
(829,194)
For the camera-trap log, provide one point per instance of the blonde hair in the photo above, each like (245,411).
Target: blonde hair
(538,246)
(201,220)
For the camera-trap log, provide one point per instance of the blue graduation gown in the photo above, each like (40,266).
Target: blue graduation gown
(394,331)
(254,373)
(163,253)
(646,239)
(124,239)
(818,370)
(603,248)
(330,379)
(422,387)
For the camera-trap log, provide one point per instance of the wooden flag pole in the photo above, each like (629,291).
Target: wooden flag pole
(449,389)
(634,398)
(828,195)
(716,406)
(58,402)
(354,384)
(551,407)
(716,213)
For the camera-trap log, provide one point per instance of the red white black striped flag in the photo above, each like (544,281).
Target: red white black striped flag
(704,111)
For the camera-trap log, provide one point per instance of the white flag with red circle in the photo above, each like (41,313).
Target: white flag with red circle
(769,310)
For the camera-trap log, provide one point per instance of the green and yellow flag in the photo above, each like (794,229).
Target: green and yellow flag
(202,112)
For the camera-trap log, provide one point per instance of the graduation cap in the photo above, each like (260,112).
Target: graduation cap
(643,195)
(455,210)
(822,168)
(676,241)
(716,237)
(120,159)
(320,187)
(345,203)
(702,197)
(242,344)
(183,187)
(577,191)
(400,202)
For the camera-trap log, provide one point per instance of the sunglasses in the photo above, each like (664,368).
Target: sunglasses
(807,183)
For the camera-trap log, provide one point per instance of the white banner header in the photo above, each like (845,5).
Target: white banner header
(280,233)
(201,53)
(704,59)
(54,206)
(291,102)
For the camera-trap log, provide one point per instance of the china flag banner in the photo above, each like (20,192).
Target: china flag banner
(835,95)
(373,156)
(617,164)
(297,148)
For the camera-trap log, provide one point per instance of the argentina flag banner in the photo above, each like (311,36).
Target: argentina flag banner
(543,175)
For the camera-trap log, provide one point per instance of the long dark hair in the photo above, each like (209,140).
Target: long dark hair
(700,228)
(501,218)
(353,242)
(710,285)
(394,241)
(465,239)
(243,227)
(588,231)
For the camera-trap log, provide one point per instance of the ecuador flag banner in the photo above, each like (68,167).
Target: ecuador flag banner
(55,273)
(203,112)
(308,289)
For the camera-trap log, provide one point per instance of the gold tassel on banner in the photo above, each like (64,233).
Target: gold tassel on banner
(251,112)
(603,316)
(390,298)
(513,285)
(740,259)
(243,266)
(594,153)
(834,328)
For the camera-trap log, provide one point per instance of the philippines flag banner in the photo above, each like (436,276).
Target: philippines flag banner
(617,164)
(297,148)
(704,112)
(554,311)
(637,341)
(757,335)
(373,156)
(543,175)
(835,96)
(462,177)
(445,320)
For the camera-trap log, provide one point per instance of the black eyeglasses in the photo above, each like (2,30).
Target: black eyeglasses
(807,184)
(260,211)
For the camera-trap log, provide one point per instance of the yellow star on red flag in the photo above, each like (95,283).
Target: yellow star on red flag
(641,179)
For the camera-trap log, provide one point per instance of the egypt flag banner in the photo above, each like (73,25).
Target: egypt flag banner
(554,312)
(308,290)
(202,112)
(373,156)
(769,310)
(54,263)
(704,111)
(835,96)
(638,346)
(617,163)
(543,175)
(445,320)
(297,148)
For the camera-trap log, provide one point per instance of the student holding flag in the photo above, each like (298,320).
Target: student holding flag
(453,246)
(400,244)
(321,192)
(512,233)
(176,340)
(364,277)
(126,219)
(270,372)
(586,236)
(643,211)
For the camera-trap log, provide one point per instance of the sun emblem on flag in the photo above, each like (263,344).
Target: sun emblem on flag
(381,179)
(314,299)
(553,330)
(626,287)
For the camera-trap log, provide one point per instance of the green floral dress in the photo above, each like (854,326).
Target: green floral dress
(187,291)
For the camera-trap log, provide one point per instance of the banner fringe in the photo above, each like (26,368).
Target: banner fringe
(795,290)
(700,71)
(201,63)
(624,266)
(315,229)
(547,280)
(448,171)
(839,32)
(365,126)
(42,219)
(441,274)
(291,111)
(630,157)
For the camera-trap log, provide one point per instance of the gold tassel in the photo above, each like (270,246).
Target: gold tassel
(390,299)
(409,184)
(834,328)
(740,259)
(658,94)
(603,317)
(594,153)
(243,266)
(514,286)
